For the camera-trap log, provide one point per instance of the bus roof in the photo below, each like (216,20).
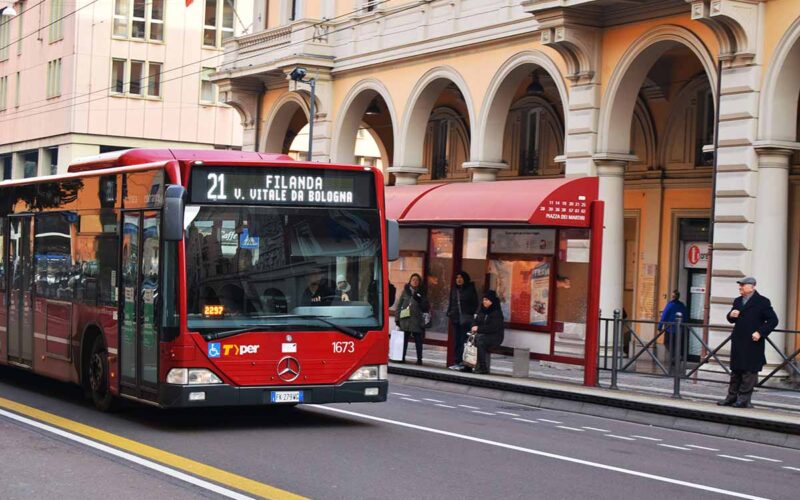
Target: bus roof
(139,156)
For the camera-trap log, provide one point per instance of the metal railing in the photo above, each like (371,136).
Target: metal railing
(710,365)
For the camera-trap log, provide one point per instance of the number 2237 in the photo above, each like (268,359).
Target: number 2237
(343,347)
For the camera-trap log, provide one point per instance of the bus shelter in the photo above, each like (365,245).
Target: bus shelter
(536,242)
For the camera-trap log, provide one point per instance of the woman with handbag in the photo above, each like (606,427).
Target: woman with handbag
(410,314)
(461,311)
(488,329)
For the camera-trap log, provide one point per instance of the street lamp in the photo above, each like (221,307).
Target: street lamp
(299,75)
(8,11)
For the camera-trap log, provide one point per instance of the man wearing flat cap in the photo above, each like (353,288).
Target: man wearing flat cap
(753,319)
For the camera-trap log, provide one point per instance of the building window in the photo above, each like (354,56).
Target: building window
(139,19)
(30,164)
(56,20)
(3,92)
(294,13)
(5,28)
(17,90)
(137,73)
(118,76)
(53,153)
(7,162)
(54,78)
(136,78)
(529,152)
(218,23)
(154,79)
(705,128)
(208,89)
(21,7)
(370,5)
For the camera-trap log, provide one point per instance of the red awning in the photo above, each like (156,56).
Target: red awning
(543,202)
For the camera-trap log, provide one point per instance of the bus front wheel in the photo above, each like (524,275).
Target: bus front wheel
(99,376)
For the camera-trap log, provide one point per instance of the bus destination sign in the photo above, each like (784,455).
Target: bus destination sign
(281,186)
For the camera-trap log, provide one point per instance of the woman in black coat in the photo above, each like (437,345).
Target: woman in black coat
(461,311)
(488,328)
(410,314)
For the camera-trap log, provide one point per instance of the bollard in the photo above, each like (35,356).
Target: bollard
(522,363)
(677,356)
(614,343)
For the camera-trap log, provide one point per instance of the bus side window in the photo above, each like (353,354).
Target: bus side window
(2,253)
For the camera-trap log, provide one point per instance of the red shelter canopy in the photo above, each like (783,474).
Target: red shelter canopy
(543,202)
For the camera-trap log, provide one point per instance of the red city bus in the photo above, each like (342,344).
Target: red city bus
(199,278)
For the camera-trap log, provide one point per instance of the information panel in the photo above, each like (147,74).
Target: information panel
(281,186)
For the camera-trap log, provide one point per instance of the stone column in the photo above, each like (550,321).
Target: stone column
(771,233)
(611,172)
(243,95)
(483,171)
(405,176)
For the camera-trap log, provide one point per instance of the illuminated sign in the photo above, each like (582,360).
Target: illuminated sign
(282,186)
(213,310)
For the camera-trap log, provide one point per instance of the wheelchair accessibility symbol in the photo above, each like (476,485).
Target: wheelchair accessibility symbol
(213,350)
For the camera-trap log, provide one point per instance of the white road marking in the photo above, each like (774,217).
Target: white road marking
(432,400)
(444,406)
(549,421)
(595,429)
(545,454)
(483,412)
(399,394)
(469,407)
(507,413)
(700,447)
(646,438)
(791,468)
(626,438)
(736,458)
(128,456)
(674,447)
(570,428)
(412,399)
(765,458)
(525,420)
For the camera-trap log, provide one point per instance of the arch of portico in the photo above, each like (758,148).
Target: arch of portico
(279,120)
(488,144)
(409,151)
(351,118)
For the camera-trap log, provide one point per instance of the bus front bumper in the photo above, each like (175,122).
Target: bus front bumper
(176,396)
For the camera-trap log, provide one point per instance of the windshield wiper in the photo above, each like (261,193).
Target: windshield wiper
(254,328)
(344,329)
(230,333)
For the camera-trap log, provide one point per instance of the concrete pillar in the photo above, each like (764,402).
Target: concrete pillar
(771,234)
(17,166)
(611,174)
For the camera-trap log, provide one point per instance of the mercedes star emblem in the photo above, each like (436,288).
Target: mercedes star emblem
(288,369)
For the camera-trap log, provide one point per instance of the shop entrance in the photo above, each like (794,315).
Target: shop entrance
(692,278)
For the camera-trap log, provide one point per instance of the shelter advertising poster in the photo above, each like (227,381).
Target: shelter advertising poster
(500,272)
(521,290)
(540,294)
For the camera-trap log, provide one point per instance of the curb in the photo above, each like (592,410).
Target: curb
(680,415)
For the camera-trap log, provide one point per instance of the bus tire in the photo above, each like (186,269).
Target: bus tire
(99,376)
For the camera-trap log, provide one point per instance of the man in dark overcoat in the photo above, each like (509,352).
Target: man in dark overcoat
(753,319)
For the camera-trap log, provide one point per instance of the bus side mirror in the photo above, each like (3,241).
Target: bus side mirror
(392,240)
(173,212)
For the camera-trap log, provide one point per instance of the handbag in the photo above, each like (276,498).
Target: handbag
(405,312)
(470,354)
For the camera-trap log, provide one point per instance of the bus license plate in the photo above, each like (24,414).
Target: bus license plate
(286,396)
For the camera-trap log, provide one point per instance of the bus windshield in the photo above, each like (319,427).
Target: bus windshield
(280,267)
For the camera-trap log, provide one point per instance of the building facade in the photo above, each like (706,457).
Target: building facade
(629,92)
(84,77)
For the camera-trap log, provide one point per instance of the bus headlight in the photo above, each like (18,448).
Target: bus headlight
(371,372)
(192,376)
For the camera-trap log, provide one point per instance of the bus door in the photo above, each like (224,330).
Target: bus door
(20,286)
(138,350)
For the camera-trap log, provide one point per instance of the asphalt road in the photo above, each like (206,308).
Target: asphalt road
(420,444)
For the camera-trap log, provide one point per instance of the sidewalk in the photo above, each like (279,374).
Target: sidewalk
(640,398)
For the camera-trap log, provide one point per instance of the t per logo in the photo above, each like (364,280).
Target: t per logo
(238,350)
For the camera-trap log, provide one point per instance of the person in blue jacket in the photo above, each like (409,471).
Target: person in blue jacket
(667,323)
